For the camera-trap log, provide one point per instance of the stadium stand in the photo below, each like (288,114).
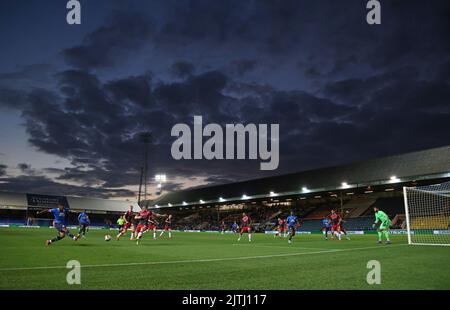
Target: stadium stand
(311,225)
(422,166)
(390,205)
(20,209)
(357,207)
(430,222)
(320,212)
(312,194)
(360,223)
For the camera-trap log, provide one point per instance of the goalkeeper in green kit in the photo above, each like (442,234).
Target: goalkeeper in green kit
(385,223)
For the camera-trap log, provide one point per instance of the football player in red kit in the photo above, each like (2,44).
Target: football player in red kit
(142,218)
(167,226)
(222,227)
(335,225)
(245,227)
(128,216)
(152,224)
(146,219)
(285,229)
(281,227)
(342,229)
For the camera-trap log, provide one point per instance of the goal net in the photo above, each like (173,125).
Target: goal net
(427,210)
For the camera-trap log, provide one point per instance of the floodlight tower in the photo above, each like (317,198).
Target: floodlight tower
(140,186)
(145,138)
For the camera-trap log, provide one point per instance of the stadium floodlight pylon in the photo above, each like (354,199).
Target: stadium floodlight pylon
(427,211)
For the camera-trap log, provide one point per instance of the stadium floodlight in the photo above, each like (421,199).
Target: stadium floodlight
(160,178)
(221,199)
(427,214)
(184,203)
(201,201)
(345,185)
(245,196)
(272,194)
(156,206)
(305,189)
(169,204)
(394,179)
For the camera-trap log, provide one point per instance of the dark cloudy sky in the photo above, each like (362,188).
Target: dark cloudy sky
(73,98)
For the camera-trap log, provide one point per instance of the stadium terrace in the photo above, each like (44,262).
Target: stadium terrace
(382,174)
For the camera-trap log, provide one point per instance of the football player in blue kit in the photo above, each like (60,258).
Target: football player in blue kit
(292,222)
(59,214)
(83,220)
(326,226)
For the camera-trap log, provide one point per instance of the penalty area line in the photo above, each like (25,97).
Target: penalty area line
(190,261)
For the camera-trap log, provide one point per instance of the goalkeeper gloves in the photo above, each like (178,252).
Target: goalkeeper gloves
(373,225)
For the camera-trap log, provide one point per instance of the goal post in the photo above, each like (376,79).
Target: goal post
(427,212)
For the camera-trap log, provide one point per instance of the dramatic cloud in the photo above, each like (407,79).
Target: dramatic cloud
(242,66)
(24,167)
(3,170)
(12,98)
(182,69)
(104,46)
(43,185)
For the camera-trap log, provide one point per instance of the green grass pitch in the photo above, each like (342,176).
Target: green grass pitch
(215,261)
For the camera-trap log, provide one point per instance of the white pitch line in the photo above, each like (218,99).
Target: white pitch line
(198,260)
(281,247)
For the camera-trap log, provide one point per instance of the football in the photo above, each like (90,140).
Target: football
(107,237)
